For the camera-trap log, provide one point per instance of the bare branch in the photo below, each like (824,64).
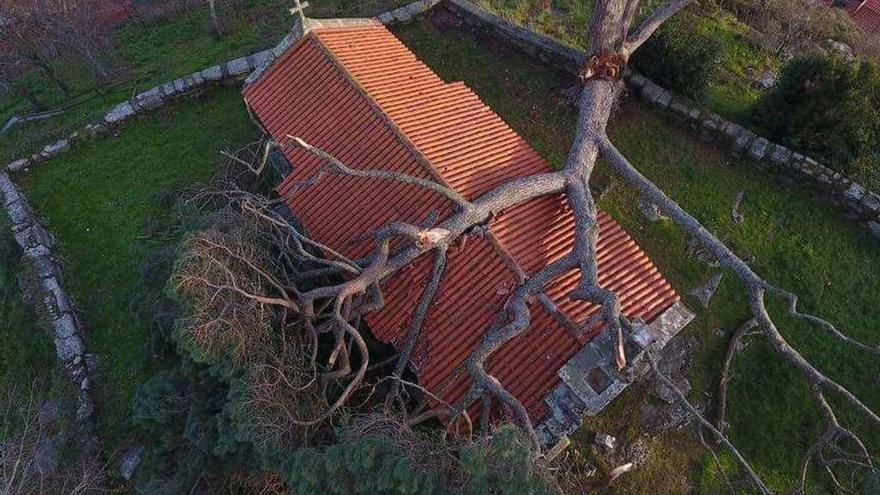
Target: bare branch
(651,24)
(337,167)
(519,317)
(418,317)
(732,348)
(706,423)
(827,325)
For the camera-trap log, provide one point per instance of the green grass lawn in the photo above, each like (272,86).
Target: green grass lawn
(102,201)
(161,50)
(797,242)
(730,93)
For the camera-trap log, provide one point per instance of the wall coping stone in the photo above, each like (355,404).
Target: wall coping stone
(758,150)
(239,66)
(213,73)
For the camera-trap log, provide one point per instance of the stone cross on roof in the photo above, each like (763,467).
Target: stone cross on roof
(299,9)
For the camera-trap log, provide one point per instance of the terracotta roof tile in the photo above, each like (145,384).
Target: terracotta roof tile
(361,95)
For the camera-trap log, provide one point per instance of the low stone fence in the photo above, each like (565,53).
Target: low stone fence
(407,12)
(145,102)
(857,202)
(56,309)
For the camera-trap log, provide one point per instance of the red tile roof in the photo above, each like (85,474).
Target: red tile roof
(867,14)
(361,95)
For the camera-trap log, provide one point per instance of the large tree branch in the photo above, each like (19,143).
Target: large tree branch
(518,322)
(651,24)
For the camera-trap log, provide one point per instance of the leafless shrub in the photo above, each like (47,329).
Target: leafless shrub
(219,273)
(25,455)
(795,26)
(282,394)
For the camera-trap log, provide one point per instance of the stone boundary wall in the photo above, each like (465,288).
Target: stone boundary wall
(57,310)
(247,68)
(856,201)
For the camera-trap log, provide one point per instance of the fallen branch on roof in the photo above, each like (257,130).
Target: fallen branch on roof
(333,293)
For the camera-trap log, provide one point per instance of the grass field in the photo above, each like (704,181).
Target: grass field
(103,204)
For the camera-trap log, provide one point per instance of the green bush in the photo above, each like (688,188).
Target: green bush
(828,108)
(193,440)
(679,57)
(374,464)
(390,459)
(504,465)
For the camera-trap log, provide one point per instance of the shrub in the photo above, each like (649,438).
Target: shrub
(679,57)
(827,107)
(504,464)
(192,439)
(379,455)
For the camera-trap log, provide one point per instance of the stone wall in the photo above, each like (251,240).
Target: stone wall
(855,200)
(145,102)
(55,306)
(589,381)
(407,12)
